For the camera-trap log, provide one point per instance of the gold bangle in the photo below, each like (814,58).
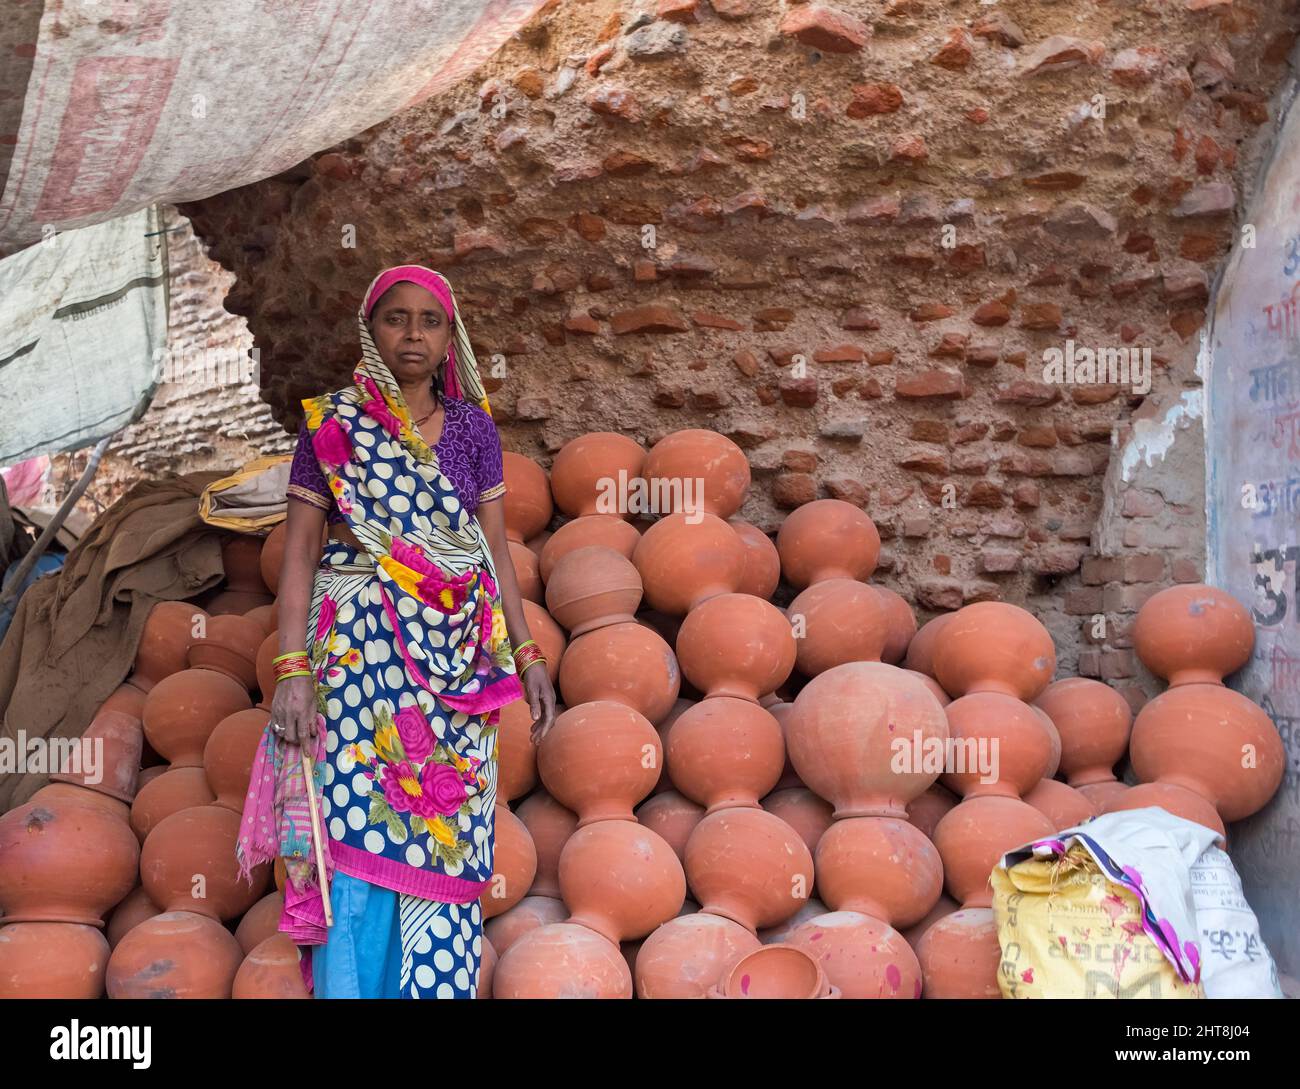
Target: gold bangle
(296,673)
(532,663)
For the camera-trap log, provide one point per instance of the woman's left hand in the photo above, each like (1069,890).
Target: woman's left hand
(541,701)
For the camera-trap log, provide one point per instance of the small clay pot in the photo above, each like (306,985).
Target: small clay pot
(57,792)
(270,971)
(549,636)
(165,641)
(562,960)
(762,561)
(549,826)
(1063,805)
(926,810)
(528,505)
(1002,743)
(229,754)
(126,698)
(263,616)
(230,647)
(135,909)
(672,817)
(973,838)
(587,470)
(260,921)
(175,789)
(689,954)
(591,588)
(112,744)
(199,841)
(827,539)
(994,647)
(685,560)
(775,971)
(530,913)
(627,663)
(1176,800)
(182,710)
(725,752)
(620,879)
(178,954)
(52,960)
(241,555)
(862,956)
(527,578)
(715,468)
(920,651)
(960,955)
(1093,722)
(516,753)
(943,907)
(607,530)
(900,624)
(736,645)
(271,557)
(841,620)
(1102,794)
(880,867)
(1193,634)
(803,811)
(514,864)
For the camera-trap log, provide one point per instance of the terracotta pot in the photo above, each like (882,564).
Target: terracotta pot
(1198,736)
(264,617)
(194,841)
(920,651)
(606,530)
(841,737)
(516,754)
(841,621)
(934,687)
(1102,794)
(549,825)
(748,866)
(165,641)
(174,790)
(230,647)
(130,913)
(127,699)
(900,624)
(229,754)
(688,955)
(549,636)
(1176,800)
(716,468)
(812,907)
(926,810)
(762,561)
(1093,721)
(680,705)
(148,775)
(736,645)
(562,960)
(514,864)
(530,913)
(183,710)
(862,956)
(233,602)
(600,759)
(1193,634)
(827,539)
(671,817)
(264,666)
(64,862)
(260,922)
(999,746)
(725,752)
(685,560)
(627,663)
(960,955)
(878,866)
(620,879)
(784,714)
(52,960)
(270,971)
(57,792)
(241,555)
(527,577)
(487,966)
(774,971)
(994,647)
(943,907)
(586,472)
(528,506)
(1063,805)
(973,838)
(665,626)
(1053,739)
(803,811)
(272,556)
(592,588)
(175,955)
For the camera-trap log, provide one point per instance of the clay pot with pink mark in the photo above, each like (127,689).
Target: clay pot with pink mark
(827,539)
(527,575)
(1193,634)
(926,810)
(182,710)
(514,864)
(862,957)
(779,970)
(943,907)
(165,641)
(686,559)
(1093,722)
(260,921)
(199,841)
(803,811)
(549,635)
(178,954)
(762,561)
(900,624)
(695,467)
(271,557)
(725,752)
(175,789)
(1176,800)
(1002,743)
(972,839)
(517,755)
(689,954)
(549,826)
(592,588)
(270,971)
(562,960)
(1065,806)
(230,646)
(587,470)
(991,646)
(626,663)
(229,754)
(52,960)
(960,955)
(878,866)
(115,740)
(530,913)
(920,651)
(841,620)
(672,817)
(736,645)
(528,503)
(606,530)
(840,737)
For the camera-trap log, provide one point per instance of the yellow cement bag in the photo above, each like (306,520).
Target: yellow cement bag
(1068,932)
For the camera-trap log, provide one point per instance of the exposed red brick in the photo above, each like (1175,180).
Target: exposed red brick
(956,51)
(999,561)
(858,319)
(1027,393)
(746,362)
(825,28)
(790,490)
(931,311)
(848,490)
(798,392)
(932,383)
(614,101)
(839,353)
(872,99)
(924,461)
(649,318)
(1043,315)
(909,147)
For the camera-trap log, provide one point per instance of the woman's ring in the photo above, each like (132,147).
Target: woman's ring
(277,727)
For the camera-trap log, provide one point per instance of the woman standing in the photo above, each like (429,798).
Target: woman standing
(399,645)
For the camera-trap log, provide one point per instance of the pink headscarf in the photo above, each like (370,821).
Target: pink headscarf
(431,281)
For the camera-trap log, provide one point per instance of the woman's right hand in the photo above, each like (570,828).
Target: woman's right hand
(294,707)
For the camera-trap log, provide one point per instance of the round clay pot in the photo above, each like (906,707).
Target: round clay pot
(165,641)
(827,539)
(528,506)
(233,602)
(487,966)
(627,663)
(748,866)
(862,956)
(562,960)
(514,864)
(111,747)
(600,759)
(943,907)
(1063,805)
(1053,739)
(736,645)
(182,711)
(999,746)
(878,866)
(264,666)
(994,647)
(52,960)
(175,955)
(263,616)
(1176,800)
(671,817)
(973,838)
(934,687)
(149,774)
(549,825)
(127,699)
(960,955)
(841,621)
(530,913)
(229,754)
(64,862)
(1093,721)
(272,556)
(549,636)
(130,913)
(1102,794)
(1193,634)
(774,971)
(57,792)
(920,651)
(230,647)
(241,555)
(590,472)
(762,561)
(527,576)
(725,752)
(687,559)
(592,588)
(926,810)
(688,955)
(260,921)
(715,467)
(606,530)
(516,753)
(620,879)
(812,907)
(900,624)
(170,792)
(199,841)
(270,971)
(1198,736)
(841,735)
(784,714)
(803,811)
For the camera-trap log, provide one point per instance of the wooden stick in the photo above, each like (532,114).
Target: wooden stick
(321,875)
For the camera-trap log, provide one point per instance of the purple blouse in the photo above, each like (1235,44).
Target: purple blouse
(469,455)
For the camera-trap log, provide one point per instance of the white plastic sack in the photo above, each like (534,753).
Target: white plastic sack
(1235,961)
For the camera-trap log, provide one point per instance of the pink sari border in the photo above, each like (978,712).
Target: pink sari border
(402,878)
